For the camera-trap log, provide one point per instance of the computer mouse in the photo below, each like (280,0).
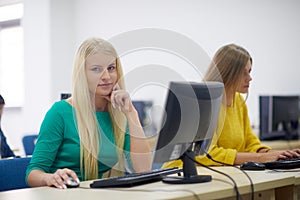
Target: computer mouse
(252,166)
(71,183)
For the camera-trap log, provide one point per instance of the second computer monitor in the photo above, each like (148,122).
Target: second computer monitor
(189,122)
(279,117)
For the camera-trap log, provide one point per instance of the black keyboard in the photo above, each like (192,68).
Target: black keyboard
(135,178)
(291,163)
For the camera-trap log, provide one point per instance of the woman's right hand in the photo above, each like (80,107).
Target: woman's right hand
(274,155)
(61,177)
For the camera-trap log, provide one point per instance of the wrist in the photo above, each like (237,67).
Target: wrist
(132,114)
(47,179)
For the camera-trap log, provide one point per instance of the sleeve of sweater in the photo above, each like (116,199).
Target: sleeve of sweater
(216,150)
(49,140)
(218,153)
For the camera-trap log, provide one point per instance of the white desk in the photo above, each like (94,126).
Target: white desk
(267,185)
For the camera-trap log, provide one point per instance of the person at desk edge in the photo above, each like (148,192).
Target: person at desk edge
(95,130)
(234,142)
(5,150)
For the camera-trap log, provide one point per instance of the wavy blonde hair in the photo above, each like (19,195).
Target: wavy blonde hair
(83,103)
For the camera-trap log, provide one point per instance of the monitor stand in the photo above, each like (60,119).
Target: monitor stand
(190,174)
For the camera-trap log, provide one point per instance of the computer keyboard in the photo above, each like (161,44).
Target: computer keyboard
(135,178)
(291,163)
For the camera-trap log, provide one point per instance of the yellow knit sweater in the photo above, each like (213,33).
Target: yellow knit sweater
(235,136)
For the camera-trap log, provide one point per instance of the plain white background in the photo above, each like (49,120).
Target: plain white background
(53,30)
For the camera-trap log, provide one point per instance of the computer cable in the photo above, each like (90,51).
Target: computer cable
(233,181)
(251,182)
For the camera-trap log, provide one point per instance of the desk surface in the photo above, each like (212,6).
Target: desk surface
(220,187)
(283,144)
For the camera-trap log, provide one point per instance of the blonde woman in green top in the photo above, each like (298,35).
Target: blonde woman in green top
(234,142)
(95,130)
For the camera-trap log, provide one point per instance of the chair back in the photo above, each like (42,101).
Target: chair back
(12,173)
(29,143)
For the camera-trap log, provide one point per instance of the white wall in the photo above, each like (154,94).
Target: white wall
(269,29)
(48,55)
(19,121)
(62,45)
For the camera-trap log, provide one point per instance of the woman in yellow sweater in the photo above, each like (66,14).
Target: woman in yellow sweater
(236,143)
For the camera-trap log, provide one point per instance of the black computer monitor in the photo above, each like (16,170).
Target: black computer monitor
(65,96)
(189,122)
(279,117)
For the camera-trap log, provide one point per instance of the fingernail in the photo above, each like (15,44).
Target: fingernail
(78,181)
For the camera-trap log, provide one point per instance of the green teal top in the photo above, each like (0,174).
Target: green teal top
(58,144)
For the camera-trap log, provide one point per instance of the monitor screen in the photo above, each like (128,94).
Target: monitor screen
(190,118)
(279,117)
(64,96)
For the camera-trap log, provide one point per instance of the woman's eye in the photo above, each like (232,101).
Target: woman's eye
(111,68)
(97,69)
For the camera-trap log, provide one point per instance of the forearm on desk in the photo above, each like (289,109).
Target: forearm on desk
(37,178)
(266,156)
(242,157)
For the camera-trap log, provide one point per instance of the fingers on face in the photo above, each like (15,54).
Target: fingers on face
(116,87)
(119,98)
(122,100)
(127,104)
(114,92)
(112,99)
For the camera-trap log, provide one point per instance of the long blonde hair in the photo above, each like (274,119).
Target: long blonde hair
(84,106)
(227,66)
